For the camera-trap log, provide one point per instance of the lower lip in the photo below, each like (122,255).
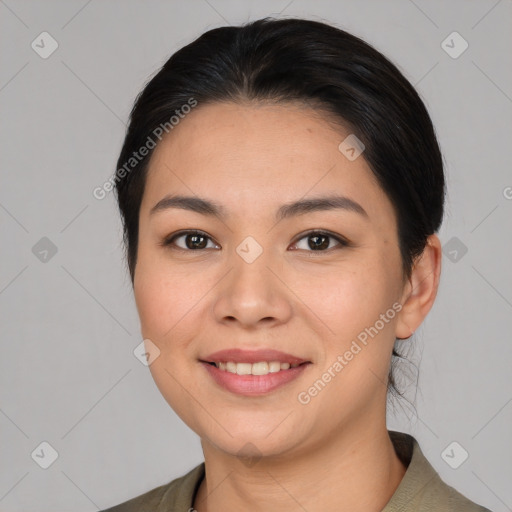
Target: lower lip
(253,385)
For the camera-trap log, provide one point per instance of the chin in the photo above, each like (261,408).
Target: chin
(251,448)
(247,439)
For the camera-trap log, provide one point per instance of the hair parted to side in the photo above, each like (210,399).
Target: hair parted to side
(309,62)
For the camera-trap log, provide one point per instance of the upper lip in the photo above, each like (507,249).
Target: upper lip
(237,355)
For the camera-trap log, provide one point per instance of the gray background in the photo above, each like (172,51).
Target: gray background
(68,321)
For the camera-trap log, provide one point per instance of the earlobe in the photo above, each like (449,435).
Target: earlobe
(421,289)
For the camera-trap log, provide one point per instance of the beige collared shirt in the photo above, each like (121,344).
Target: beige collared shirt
(421,489)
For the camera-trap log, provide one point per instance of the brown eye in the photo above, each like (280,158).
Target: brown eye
(320,241)
(191,240)
(317,242)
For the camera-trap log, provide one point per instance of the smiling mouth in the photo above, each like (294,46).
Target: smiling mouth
(259,368)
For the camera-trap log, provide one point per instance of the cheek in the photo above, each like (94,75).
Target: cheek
(168,298)
(165,303)
(159,297)
(348,300)
(350,303)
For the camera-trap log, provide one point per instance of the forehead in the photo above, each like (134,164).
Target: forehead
(247,153)
(230,132)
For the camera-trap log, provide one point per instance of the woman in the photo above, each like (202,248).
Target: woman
(281,187)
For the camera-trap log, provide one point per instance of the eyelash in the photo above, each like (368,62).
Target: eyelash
(169,242)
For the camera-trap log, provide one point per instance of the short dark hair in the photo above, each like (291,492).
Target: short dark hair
(299,60)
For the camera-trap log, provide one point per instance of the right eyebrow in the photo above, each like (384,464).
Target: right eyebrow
(194,204)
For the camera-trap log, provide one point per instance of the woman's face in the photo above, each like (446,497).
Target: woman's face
(256,279)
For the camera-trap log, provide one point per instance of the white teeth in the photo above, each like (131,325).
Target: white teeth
(274,367)
(244,368)
(260,368)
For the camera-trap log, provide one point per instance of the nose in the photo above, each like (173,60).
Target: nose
(253,294)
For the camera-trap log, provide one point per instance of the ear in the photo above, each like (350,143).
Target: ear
(421,289)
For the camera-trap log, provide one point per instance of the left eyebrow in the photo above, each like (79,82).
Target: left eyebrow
(300,207)
(320,204)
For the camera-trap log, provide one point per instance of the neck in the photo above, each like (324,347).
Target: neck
(357,471)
